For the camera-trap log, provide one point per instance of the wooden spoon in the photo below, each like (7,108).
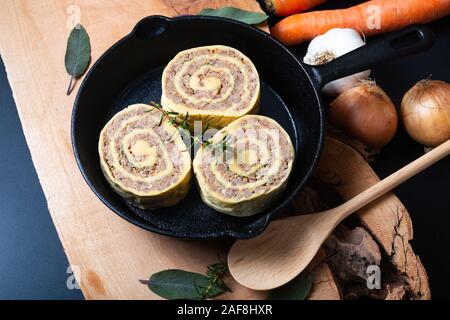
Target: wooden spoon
(288,245)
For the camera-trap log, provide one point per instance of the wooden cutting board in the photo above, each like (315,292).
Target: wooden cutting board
(108,255)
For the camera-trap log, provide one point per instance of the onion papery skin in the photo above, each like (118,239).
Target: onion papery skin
(425,112)
(366,113)
(144,158)
(213,84)
(254,174)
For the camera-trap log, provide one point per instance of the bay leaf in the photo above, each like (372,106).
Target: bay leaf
(244,16)
(296,289)
(78,54)
(180,284)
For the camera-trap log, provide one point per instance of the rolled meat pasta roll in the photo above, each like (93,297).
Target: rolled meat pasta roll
(245,166)
(143,158)
(214,84)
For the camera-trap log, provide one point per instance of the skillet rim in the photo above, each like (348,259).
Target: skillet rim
(224,234)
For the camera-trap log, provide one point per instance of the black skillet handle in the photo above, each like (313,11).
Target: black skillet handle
(395,45)
(150,27)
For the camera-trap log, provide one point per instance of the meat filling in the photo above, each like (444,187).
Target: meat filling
(131,174)
(272,172)
(237,77)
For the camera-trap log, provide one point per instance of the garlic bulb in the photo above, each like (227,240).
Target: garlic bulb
(330,45)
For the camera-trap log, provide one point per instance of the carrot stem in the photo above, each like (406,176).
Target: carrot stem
(289,7)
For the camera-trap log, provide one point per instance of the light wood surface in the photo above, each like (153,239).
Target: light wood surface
(287,247)
(387,219)
(110,254)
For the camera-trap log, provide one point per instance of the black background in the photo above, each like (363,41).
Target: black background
(426,196)
(32,260)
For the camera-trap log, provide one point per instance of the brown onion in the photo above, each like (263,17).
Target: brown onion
(425,111)
(366,113)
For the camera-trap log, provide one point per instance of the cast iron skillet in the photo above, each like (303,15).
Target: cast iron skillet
(130,72)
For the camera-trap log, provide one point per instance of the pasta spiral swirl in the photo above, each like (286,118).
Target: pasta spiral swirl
(142,158)
(252,171)
(216,84)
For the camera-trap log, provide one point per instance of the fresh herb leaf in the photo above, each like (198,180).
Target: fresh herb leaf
(182,127)
(78,54)
(205,129)
(236,14)
(215,274)
(297,289)
(156,105)
(161,120)
(179,284)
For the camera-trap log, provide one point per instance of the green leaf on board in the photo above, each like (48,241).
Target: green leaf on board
(236,14)
(78,54)
(179,284)
(297,289)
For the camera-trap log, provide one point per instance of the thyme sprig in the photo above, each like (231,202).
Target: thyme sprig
(182,126)
(180,284)
(215,274)
(171,116)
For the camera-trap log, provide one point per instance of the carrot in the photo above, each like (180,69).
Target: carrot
(288,7)
(371,18)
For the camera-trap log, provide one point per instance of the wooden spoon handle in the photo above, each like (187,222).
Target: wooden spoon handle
(393,180)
